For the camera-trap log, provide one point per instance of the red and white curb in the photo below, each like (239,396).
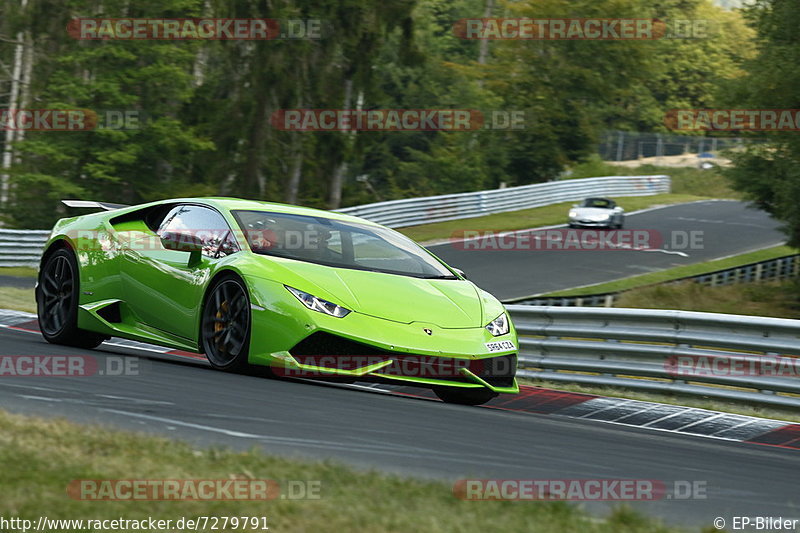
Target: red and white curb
(634,413)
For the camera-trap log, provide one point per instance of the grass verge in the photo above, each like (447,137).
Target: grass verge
(678,272)
(40,457)
(23,272)
(675,399)
(17,299)
(775,298)
(688,185)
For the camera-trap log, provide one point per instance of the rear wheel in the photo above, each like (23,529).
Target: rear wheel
(57,302)
(462,396)
(225,328)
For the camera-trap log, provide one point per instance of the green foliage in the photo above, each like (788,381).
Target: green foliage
(205,106)
(769,175)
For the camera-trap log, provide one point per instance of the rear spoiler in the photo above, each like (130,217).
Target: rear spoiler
(92,205)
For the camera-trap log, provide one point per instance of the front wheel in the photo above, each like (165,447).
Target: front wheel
(225,329)
(57,302)
(462,396)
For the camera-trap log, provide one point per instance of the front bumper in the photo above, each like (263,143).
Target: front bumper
(368,348)
(496,373)
(590,223)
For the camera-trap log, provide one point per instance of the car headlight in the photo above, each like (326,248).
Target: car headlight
(573,214)
(498,326)
(318,304)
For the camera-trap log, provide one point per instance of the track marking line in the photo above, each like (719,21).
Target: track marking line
(682,411)
(737,426)
(702,420)
(40,398)
(646,409)
(135,400)
(32,387)
(606,408)
(316,443)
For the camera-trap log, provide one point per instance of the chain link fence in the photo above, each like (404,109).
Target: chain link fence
(630,145)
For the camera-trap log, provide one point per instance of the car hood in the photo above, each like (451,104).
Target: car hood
(591,211)
(442,302)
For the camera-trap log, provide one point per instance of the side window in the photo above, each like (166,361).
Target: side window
(204,224)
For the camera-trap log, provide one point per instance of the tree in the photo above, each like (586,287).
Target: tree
(138,162)
(769,175)
(206,105)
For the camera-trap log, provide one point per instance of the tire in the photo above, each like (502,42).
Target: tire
(57,295)
(461,396)
(225,325)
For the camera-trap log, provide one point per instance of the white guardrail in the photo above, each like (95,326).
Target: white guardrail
(24,247)
(734,357)
(21,247)
(414,211)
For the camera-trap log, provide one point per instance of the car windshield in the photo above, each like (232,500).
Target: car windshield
(337,243)
(598,202)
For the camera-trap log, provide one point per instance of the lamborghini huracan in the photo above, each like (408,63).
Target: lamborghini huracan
(299,291)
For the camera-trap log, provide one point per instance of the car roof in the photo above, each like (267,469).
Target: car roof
(231,204)
(598,198)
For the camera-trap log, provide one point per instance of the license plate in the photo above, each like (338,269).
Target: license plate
(500,346)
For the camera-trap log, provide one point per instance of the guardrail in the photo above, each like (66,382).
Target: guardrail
(21,247)
(24,247)
(784,267)
(753,359)
(414,211)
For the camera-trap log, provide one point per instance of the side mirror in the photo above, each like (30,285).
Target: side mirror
(181,242)
(460,272)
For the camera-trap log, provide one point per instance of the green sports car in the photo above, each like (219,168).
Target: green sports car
(303,292)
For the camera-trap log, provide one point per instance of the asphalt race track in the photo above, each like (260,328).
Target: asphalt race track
(727,228)
(187,400)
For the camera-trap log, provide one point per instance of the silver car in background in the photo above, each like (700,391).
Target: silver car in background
(596,213)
